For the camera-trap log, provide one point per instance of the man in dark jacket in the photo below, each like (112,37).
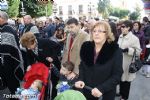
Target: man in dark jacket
(50,28)
(29,26)
(146,29)
(11,63)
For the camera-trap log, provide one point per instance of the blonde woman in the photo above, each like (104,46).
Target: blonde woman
(99,68)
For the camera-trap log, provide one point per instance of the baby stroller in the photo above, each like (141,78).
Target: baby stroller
(41,72)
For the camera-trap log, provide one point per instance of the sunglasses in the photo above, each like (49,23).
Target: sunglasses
(123,26)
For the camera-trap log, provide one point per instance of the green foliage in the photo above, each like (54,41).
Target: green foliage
(49,9)
(45,10)
(30,7)
(33,8)
(13,8)
(121,13)
(136,14)
(103,7)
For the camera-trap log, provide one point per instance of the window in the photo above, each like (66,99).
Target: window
(70,10)
(60,10)
(80,9)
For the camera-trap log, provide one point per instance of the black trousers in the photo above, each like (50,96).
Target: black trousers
(10,76)
(125,89)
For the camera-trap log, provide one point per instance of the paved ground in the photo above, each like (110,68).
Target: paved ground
(140,89)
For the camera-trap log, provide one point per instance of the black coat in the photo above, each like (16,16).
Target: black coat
(11,59)
(106,73)
(46,48)
(146,30)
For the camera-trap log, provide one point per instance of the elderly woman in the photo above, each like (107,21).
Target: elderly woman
(128,42)
(40,50)
(99,68)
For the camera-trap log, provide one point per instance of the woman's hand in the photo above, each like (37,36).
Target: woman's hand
(96,93)
(49,59)
(79,84)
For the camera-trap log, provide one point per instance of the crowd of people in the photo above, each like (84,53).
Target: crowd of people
(96,53)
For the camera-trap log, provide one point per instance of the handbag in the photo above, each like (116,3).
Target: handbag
(136,63)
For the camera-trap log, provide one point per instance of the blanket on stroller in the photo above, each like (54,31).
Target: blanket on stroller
(70,95)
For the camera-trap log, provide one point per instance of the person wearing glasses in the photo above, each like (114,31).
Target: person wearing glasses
(128,42)
(101,64)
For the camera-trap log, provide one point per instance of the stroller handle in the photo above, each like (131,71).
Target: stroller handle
(85,87)
(88,88)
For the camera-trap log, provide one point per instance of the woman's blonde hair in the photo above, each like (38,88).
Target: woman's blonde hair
(109,35)
(27,39)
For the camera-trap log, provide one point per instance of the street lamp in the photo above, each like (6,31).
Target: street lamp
(22,9)
(90,10)
(55,8)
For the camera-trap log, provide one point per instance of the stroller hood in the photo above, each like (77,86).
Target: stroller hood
(38,71)
(70,95)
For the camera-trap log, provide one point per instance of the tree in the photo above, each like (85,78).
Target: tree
(103,7)
(33,8)
(13,8)
(30,6)
(136,14)
(49,9)
(45,10)
(121,13)
(124,13)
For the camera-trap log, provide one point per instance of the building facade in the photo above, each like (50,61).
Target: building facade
(75,8)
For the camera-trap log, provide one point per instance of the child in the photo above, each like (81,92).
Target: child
(65,75)
(33,92)
(66,72)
